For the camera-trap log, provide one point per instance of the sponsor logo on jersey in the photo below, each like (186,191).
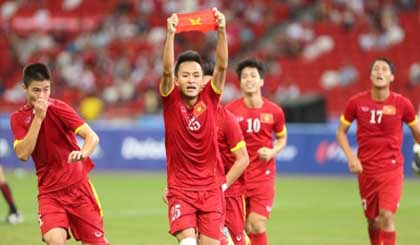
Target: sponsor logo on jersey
(267,118)
(389,110)
(364,108)
(239,118)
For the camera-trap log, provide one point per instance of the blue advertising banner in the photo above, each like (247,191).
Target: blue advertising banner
(311,149)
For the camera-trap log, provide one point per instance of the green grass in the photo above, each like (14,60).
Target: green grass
(308,210)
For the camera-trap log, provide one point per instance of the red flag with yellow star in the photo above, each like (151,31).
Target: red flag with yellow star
(203,20)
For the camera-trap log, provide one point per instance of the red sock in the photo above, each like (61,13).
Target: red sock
(374,236)
(8,196)
(258,238)
(388,237)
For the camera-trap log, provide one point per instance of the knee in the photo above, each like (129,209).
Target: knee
(55,236)
(386,219)
(55,241)
(256,226)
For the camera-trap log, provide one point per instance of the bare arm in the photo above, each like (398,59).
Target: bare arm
(91,140)
(241,163)
(219,74)
(167,82)
(267,154)
(26,146)
(355,166)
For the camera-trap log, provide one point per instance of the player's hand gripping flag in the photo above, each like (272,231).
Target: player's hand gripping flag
(203,20)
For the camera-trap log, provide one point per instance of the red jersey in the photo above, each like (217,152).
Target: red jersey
(258,126)
(230,139)
(56,139)
(379,129)
(191,140)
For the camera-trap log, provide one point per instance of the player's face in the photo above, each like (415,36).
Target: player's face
(381,75)
(37,90)
(189,79)
(251,81)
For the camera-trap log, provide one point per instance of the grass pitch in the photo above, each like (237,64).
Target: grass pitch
(307,210)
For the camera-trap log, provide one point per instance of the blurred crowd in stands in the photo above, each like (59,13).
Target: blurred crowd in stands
(106,55)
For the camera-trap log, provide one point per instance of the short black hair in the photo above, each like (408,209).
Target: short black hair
(189,55)
(386,60)
(35,72)
(250,62)
(208,69)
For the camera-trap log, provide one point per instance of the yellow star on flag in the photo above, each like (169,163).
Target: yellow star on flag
(196,21)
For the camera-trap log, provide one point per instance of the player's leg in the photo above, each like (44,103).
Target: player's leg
(260,198)
(52,219)
(85,218)
(256,227)
(368,190)
(55,236)
(374,230)
(389,198)
(210,218)
(235,218)
(182,215)
(186,236)
(386,220)
(14,217)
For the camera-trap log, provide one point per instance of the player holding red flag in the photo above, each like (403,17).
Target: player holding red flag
(194,193)
(259,119)
(45,129)
(380,114)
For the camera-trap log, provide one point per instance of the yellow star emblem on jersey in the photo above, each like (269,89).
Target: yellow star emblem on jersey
(196,21)
(199,108)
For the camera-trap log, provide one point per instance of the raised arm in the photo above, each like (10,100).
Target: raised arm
(354,164)
(167,81)
(219,74)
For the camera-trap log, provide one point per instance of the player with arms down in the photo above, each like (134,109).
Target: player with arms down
(259,118)
(46,129)
(380,114)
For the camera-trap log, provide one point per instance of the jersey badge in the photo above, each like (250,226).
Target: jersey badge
(266,118)
(389,110)
(199,108)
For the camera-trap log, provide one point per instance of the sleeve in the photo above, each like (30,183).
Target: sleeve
(233,132)
(409,113)
(349,112)
(212,91)
(167,98)
(18,127)
(69,116)
(280,123)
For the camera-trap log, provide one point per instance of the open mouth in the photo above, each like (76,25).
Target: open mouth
(379,78)
(191,88)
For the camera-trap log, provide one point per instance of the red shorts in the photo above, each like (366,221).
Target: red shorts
(260,197)
(381,192)
(196,209)
(235,218)
(75,207)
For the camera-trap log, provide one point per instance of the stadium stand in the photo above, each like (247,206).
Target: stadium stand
(111,49)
